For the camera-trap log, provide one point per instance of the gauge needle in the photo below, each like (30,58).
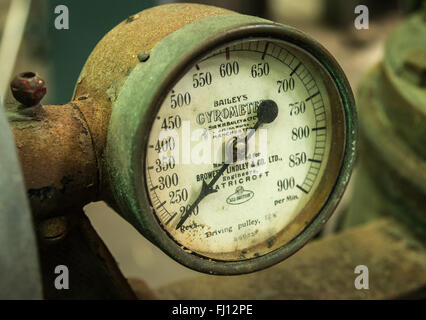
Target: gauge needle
(266,113)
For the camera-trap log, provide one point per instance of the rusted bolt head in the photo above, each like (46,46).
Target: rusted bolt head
(54,229)
(143,56)
(132,18)
(28,88)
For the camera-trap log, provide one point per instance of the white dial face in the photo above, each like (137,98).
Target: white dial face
(234,209)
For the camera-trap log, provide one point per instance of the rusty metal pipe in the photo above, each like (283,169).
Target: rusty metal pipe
(58,161)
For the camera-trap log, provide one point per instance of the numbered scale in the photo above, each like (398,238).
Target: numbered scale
(246,146)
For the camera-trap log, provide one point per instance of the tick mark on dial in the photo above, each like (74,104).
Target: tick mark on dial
(161,204)
(294,70)
(302,189)
(315,94)
(171,218)
(313,160)
(319,128)
(266,49)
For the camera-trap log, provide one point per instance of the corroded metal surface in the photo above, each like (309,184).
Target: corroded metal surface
(57,158)
(324,269)
(69,172)
(61,175)
(28,88)
(119,52)
(93,272)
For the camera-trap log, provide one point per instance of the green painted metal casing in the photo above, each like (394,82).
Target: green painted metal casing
(391,180)
(142,93)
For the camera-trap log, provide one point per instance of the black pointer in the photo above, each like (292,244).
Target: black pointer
(266,113)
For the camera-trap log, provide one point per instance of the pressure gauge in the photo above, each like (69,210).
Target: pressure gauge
(238,144)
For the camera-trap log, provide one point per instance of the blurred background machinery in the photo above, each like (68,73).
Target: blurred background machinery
(392,100)
(390,180)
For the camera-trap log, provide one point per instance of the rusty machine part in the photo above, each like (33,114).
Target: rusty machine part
(28,88)
(392,104)
(89,149)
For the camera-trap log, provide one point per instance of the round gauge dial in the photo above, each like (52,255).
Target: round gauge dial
(245,149)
